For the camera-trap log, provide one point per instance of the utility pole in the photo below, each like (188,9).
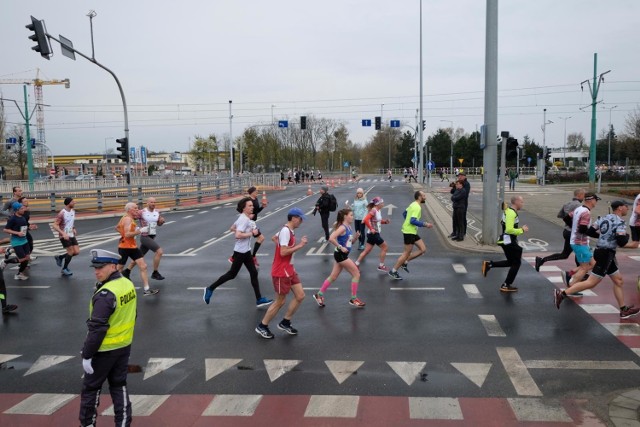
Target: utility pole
(564,146)
(610,132)
(593,89)
(231,137)
(544,144)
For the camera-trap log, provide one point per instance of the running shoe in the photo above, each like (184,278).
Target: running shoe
(319,299)
(558,297)
(383,268)
(508,288)
(628,311)
(9,308)
(538,263)
(287,328)
(207,295)
(356,302)
(405,267)
(150,291)
(263,302)
(20,276)
(157,276)
(264,332)
(486,266)
(66,272)
(58,259)
(394,275)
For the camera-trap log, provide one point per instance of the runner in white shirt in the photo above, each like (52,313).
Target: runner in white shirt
(151,218)
(64,224)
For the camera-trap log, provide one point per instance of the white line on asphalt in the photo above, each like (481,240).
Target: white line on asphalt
(169,222)
(217,207)
(517,371)
(581,364)
(186,251)
(459,268)
(28,287)
(491,325)
(472,291)
(178,255)
(416,289)
(188,216)
(203,212)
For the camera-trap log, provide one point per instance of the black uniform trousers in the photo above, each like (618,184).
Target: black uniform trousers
(513,252)
(458,222)
(324,218)
(111,366)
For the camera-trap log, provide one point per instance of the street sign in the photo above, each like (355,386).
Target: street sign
(394,123)
(283,123)
(132,155)
(366,122)
(52,171)
(529,160)
(346,164)
(143,155)
(430,165)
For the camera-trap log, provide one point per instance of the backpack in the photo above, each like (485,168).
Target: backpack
(333,203)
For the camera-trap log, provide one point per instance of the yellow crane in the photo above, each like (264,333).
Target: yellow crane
(37,88)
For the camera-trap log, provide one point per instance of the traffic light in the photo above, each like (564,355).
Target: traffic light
(303,122)
(123,148)
(39,36)
(424,124)
(547,154)
(378,122)
(512,148)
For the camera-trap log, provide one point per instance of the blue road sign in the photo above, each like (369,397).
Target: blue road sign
(132,155)
(394,123)
(143,154)
(430,165)
(33,143)
(366,122)
(346,164)
(283,123)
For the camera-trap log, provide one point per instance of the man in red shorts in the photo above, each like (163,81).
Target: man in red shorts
(284,276)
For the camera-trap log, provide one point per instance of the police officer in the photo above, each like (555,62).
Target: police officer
(106,350)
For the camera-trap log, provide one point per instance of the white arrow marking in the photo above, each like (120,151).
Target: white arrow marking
(45,362)
(476,372)
(214,367)
(157,365)
(408,371)
(277,368)
(343,369)
(390,207)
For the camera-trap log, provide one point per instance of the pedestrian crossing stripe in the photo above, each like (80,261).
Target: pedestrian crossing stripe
(157,365)
(277,368)
(475,372)
(343,369)
(408,371)
(45,362)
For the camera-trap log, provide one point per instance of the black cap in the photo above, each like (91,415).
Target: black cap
(617,203)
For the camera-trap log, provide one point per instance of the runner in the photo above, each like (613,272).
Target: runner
(17,228)
(611,233)
(245,229)
(284,276)
(373,220)
(359,211)
(634,226)
(64,224)
(149,218)
(257,208)
(412,221)
(127,247)
(342,238)
(6,308)
(27,215)
(579,240)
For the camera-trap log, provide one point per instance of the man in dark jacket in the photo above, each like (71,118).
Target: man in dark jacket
(462,177)
(322,206)
(458,203)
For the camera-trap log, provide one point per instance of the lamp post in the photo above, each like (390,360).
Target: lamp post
(105,153)
(545,122)
(564,149)
(610,132)
(451,153)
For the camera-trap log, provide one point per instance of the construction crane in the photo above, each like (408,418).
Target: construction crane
(37,88)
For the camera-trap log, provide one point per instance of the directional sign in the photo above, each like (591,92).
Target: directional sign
(132,155)
(283,123)
(430,165)
(143,155)
(346,164)
(394,123)
(366,122)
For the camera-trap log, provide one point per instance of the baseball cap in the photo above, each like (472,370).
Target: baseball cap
(461,173)
(68,200)
(16,205)
(297,212)
(617,203)
(100,258)
(591,196)
(377,200)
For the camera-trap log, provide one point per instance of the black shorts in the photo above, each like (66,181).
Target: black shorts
(605,262)
(125,254)
(340,256)
(22,251)
(67,243)
(410,239)
(635,233)
(375,239)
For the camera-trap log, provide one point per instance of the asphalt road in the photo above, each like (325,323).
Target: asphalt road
(443,331)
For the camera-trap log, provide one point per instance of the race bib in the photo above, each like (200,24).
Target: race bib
(506,239)
(152,228)
(23,229)
(69,232)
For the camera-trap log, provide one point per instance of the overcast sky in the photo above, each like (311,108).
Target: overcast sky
(181,62)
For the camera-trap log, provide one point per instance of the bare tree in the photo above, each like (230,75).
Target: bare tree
(576,141)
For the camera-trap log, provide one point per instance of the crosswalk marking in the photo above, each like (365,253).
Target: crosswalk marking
(277,368)
(599,308)
(41,404)
(215,367)
(157,365)
(6,357)
(475,372)
(408,371)
(518,372)
(233,405)
(142,405)
(343,369)
(472,291)
(624,329)
(435,408)
(581,364)
(322,406)
(45,362)
(459,268)
(491,325)
(538,410)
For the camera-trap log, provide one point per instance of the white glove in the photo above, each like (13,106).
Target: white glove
(86,365)
(144,230)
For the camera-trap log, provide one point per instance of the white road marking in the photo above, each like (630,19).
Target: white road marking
(599,308)
(343,369)
(6,357)
(475,372)
(278,367)
(550,268)
(41,404)
(459,268)
(491,325)
(332,406)
(416,289)
(408,371)
(45,362)
(623,329)
(142,405)
(435,408)
(28,287)
(215,367)
(517,371)
(155,365)
(581,364)
(188,216)
(230,405)
(539,410)
(472,291)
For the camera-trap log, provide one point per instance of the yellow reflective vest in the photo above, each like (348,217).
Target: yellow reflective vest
(123,319)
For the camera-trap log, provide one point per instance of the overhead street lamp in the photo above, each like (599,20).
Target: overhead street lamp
(451,153)
(610,132)
(564,153)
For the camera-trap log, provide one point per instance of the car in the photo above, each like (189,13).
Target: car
(87,177)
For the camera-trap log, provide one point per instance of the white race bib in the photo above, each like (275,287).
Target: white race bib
(69,231)
(152,228)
